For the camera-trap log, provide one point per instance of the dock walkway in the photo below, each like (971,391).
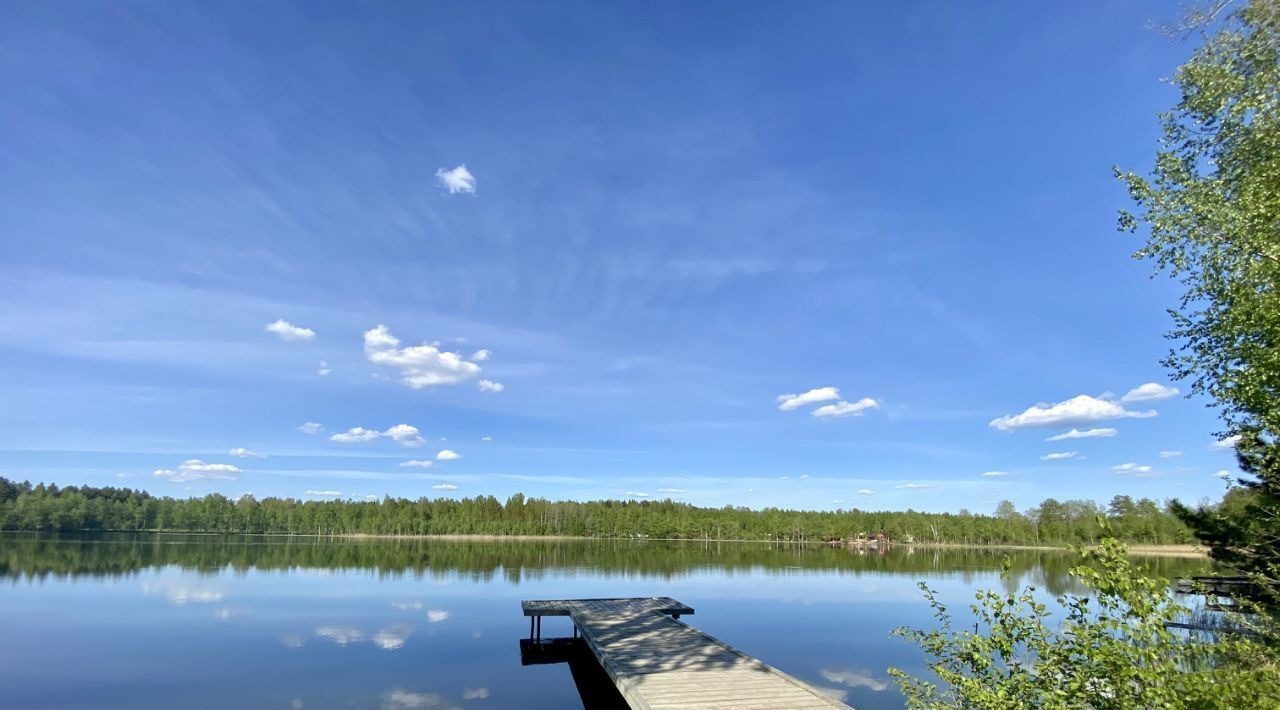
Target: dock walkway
(660,663)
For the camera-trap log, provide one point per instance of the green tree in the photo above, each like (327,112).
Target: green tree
(1113,649)
(1212,212)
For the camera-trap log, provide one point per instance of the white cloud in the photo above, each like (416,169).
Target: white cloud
(1224,474)
(637,494)
(311,428)
(291,333)
(490,386)
(839,695)
(994,474)
(448,455)
(355,435)
(324,494)
(672,490)
(475,693)
(444,487)
(846,409)
(854,679)
(417,463)
(1081,409)
(480,355)
(486,438)
(341,635)
(323,369)
(400,699)
(1096,433)
(197,470)
(435,616)
(1131,468)
(457,180)
(788,402)
(914,485)
(1059,456)
(392,637)
(242,453)
(1170,454)
(407,606)
(1149,392)
(420,365)
(1227,444)
(865,492)
(803,476)
(405,435)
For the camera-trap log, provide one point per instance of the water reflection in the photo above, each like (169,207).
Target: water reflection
(307,622)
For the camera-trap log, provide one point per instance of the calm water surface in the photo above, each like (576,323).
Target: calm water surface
(160,621)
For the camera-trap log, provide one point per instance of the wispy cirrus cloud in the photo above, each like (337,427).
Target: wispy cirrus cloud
(243,453)
(1059,456)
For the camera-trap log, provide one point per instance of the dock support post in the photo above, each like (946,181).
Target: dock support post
(531,627)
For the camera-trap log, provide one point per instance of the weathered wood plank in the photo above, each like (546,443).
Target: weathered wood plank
(660,663)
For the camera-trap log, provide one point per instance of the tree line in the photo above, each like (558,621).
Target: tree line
(50,508)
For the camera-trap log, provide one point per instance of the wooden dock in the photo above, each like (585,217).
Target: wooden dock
(660,663)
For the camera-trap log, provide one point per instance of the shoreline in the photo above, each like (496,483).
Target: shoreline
(1136,550)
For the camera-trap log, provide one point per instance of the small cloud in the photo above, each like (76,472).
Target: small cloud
(392,637)
(1059,456)
(475,693)
(197,470)
(994,474)
(323,368)
(1081,409)
(311,428)
(457,180)
(914,485)
(405,435)
(1131,468)
(401,699)
(341,635)
(837,694)
(788,402)
(444,487)
(672,490)
(291,333)
(486,438)
(355,435)
(324,494)
(447,455)
(1149,392)
(1224,475)
(637,494)
(803,476)
(1097,433)
(417,463)
(1226,444)
(480,356)
(845,409)
(419,365)
(291,641)
(407,606)
(490,386)
(854,679)
(435,616)
(1170,454)
(866,492)
(242,453)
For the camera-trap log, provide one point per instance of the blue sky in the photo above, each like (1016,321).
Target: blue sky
(654,220)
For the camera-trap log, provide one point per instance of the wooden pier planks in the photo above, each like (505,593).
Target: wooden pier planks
(660,663)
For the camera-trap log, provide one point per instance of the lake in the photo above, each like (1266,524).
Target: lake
(163,621)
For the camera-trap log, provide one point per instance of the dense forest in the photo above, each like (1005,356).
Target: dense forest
(47,507)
